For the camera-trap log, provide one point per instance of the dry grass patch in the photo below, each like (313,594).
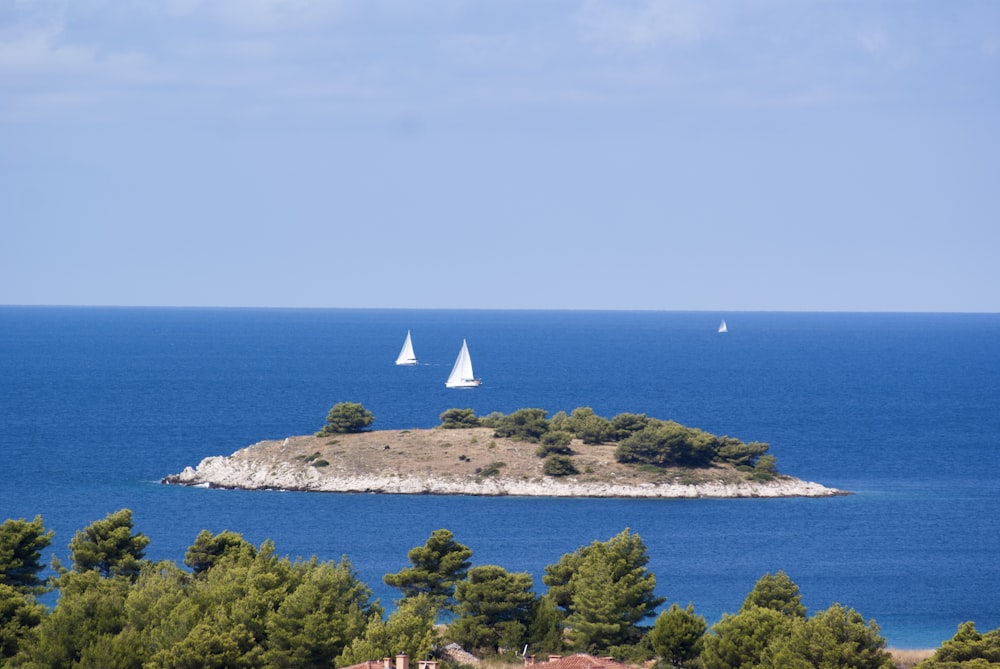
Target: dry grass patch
(907,659)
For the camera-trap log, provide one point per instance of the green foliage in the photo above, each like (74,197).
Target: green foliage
(208,549)
(777,592)
(21,546)
(20,615)
(605,590)
(545,633)
(742,640)
(492,469)
(491,419)
(409,629)
(523,425)
(588,426)
(736,452)
(837,637)
(765,469)
(559,465)
(667,444)
(968,649)
(459,419)
(316,621)
(624,425)
(346,417)
(437,566)
(91,610)
(559,421)
(555,442)
(677,635)
(771,630)
(494,609)
(109,547)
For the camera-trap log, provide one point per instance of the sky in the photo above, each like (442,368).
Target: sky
(725,155)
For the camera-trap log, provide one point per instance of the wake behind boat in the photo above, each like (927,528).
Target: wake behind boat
(461,374)
(406,355)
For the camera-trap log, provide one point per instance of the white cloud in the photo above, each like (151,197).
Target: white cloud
(646,24)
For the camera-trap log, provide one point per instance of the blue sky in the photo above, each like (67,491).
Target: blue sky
(585,154)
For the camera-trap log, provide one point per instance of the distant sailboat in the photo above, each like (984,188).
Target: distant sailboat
(406,356)
(722,326)
(461,374)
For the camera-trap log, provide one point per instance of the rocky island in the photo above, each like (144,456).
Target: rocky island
(471,461)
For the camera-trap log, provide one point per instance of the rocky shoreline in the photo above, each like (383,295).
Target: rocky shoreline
(443,462)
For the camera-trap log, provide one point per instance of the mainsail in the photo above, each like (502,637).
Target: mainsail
(722,326)
(461,374)
(406,356)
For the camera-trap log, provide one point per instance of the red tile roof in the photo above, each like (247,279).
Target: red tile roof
(370,664)
(581,661)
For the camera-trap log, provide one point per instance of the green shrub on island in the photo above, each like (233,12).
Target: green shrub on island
(346,418)
(523,425)
(492,469)
(559,465)
(641,440)
(456,419)
(555,442)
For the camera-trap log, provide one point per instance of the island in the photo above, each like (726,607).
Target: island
(470,461)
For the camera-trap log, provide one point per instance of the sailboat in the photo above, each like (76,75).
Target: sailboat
(461,374)
(406,356)
(722,326)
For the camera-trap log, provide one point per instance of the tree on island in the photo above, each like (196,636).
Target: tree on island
(457,419)
(346,418)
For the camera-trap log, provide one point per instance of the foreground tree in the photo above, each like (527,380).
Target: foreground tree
(742,640)
(345,418)
(437,566)
(494,609)
(838,637)
(109,547)
(967,649)
(20,615)
(90,613)
(778,592)
(409,629)
(677,635)
(208,549)
(605,590)
(21,546)
(320,617)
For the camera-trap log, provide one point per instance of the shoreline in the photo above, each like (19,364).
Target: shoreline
(464,462)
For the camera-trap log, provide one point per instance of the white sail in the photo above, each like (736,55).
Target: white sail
(722,326)
(461,374)
(406,356)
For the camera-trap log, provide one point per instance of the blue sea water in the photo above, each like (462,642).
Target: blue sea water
(97,404)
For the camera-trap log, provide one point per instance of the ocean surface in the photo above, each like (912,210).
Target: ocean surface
(98,404)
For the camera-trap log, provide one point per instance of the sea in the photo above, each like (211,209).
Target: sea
(903,410)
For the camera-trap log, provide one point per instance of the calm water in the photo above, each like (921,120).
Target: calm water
(97,404)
